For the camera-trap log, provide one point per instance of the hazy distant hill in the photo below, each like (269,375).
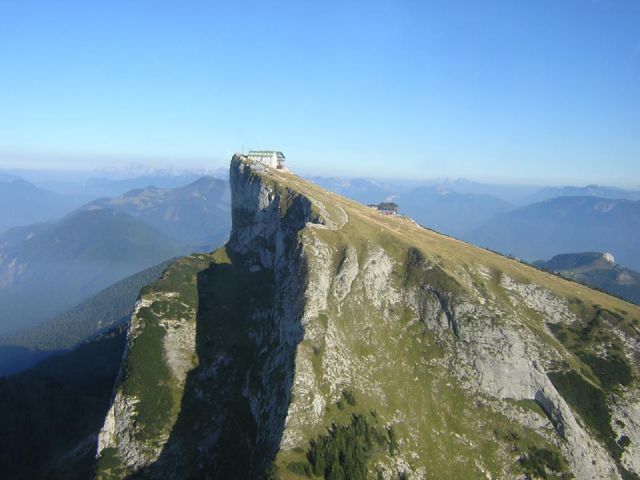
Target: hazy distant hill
(448,211)
(511,193)
(111,187)
(587,191)
(110,182)
(362,190)
(49,268)
(593,269)
(438,205)
(197,215)
(366,190)
(570,224)
(22,203)
(101,311)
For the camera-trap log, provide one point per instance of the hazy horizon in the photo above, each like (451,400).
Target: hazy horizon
(136,169)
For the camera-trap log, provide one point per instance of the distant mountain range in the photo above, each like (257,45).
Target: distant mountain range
(111,187)
(366,190)
(448,211)
(99,312)
(587,191)
(362,190)
(49,268)
(594,269)
(110,182)
(439,206)
(197,215)
(570,224)
(513,194)
(22,203)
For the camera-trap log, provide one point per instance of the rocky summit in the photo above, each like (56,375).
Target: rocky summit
(326,340)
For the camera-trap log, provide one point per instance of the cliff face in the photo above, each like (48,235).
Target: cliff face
(328,340)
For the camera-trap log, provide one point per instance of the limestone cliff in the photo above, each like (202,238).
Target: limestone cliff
(326,340)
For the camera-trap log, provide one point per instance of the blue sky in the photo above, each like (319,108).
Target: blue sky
(526,91)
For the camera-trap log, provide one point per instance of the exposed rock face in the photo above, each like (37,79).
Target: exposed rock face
(319,311)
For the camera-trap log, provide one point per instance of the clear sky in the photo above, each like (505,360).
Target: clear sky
(539,90)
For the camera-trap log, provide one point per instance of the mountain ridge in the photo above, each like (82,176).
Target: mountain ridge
(196,214)
(592,268)
(47,268)
(327,339)
(586,191)
(569,224)
(22,203)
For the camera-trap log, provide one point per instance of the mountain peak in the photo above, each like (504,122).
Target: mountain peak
(327,339)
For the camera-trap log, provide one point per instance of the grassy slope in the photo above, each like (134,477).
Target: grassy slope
(366,224)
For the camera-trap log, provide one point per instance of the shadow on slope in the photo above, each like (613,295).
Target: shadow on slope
(50,415)
(233,408)
(15,358)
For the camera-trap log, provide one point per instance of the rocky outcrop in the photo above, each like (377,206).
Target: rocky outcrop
(122,432)
(319,311)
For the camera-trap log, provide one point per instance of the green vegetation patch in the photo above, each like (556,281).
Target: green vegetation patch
(393,440)
(610,369)
(344,452)
(147,375)
(537,457)
(590,403)
(348,397)
(109,463)
(434,277)
(546,464)
(300,468)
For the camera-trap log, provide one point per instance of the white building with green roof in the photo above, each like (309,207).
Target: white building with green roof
(270,158)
